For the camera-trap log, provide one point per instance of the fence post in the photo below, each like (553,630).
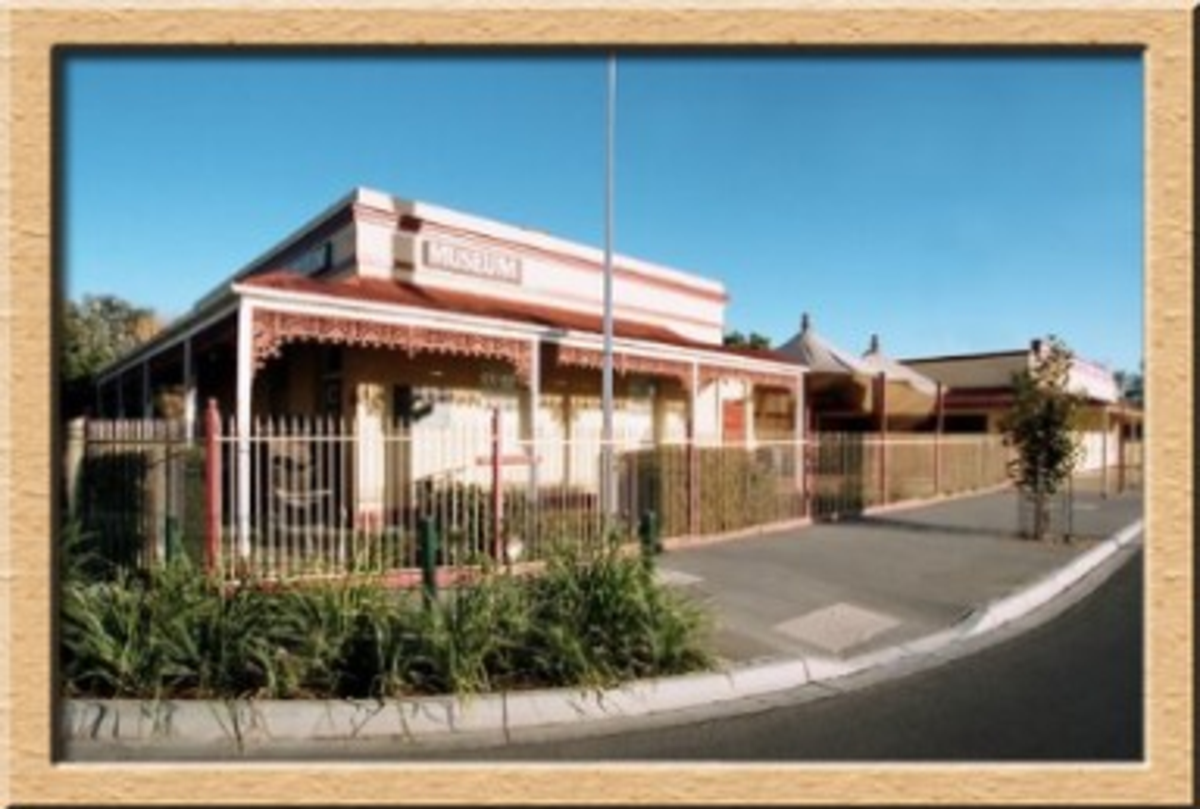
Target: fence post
(76,449)
(427,549)
(212,487)
(156,536)
(648,536)
(497,489)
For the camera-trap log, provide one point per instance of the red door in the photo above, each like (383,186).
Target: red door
(733,422)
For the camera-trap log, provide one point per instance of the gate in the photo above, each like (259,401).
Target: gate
(840,476)
(135,489)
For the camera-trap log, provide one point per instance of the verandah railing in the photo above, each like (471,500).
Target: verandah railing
(297,497)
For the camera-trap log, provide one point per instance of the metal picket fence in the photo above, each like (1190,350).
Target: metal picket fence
(297,497)
(853,472)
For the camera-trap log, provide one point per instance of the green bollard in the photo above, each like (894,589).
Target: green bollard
(648,535)
(427,549)
(174,542)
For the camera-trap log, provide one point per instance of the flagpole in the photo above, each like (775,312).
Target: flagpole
(607,484)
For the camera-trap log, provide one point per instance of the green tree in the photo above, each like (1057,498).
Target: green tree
(1041,427)
(754,340)
(1132,386)
(95,331)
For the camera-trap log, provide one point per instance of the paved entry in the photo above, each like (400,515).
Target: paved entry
(838,627)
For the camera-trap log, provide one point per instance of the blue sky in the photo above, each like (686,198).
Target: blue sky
(950,202)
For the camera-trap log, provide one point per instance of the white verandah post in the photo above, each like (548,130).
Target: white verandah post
(535,438)
(799,423)
(245,382)
(189,392)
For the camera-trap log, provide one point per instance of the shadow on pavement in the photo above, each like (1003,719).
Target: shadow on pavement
(908,526)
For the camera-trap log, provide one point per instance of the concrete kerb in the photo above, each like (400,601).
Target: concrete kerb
(1007,608)
(242,722)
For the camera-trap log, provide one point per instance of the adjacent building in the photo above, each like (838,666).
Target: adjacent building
(979,392)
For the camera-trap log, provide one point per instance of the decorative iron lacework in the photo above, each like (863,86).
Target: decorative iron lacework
(762,379)
(625,363)
(272,330)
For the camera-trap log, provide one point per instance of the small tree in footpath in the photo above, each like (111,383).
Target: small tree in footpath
(1040,426)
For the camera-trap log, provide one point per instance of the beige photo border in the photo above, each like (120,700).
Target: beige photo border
(33,31)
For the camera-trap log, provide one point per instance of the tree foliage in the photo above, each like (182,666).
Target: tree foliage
(1041,427)
(1132,386)
(754,340)
(95,331)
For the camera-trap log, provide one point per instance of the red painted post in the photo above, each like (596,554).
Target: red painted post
(497,490)
(212,487)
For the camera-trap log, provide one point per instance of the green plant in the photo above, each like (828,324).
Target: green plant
(600,617)
(1041,427)
(594,617)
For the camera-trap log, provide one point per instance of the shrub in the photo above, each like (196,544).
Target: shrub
(595,617)
(1040,426)
(599,617)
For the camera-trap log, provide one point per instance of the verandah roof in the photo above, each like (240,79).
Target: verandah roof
(402,293)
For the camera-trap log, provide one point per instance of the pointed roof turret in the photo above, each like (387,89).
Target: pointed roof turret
(820,355)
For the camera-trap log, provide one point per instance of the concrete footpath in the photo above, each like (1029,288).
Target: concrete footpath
(810,608)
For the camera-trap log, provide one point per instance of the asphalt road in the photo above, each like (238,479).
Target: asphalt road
(1067,690)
